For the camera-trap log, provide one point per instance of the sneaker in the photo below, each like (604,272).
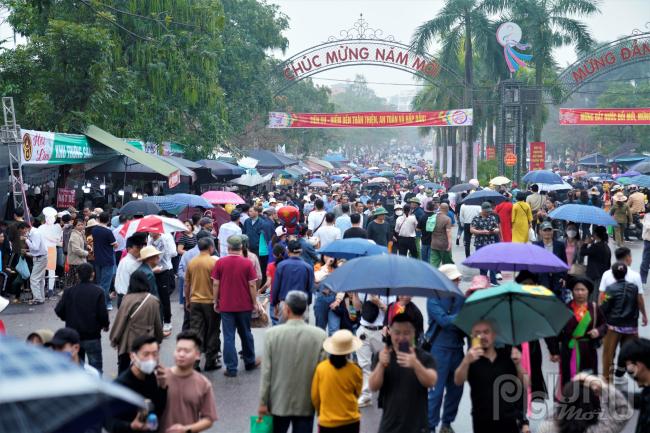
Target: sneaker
(365,401)
(446,429)
(499,276)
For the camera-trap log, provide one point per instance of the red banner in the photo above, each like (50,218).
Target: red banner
(508,148)
(380,119)
(490,153)
(65,198)
(604,116)
(537,155)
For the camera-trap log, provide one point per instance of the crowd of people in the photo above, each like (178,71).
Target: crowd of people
(262,269)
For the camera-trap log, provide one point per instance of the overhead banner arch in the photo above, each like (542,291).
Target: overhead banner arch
(362,45)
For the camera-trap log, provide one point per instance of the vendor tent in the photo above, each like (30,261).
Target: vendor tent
(268,160)
(593,160)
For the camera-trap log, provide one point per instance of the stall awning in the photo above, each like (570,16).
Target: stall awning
(152,161)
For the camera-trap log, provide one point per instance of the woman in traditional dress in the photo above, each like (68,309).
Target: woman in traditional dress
(521,219)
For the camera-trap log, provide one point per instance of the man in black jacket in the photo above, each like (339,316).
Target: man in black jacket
(636,355)
(146,377)
(83,308)
(552,281)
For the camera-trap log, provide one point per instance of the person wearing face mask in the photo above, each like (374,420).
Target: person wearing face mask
(146,377)
(636,355)
(572,244)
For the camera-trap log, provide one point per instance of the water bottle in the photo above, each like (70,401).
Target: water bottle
(152,422)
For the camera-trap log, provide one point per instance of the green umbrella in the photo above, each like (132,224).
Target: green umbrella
(624,180)
(521,313)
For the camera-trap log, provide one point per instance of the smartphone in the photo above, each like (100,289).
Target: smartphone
(404,346)
(476,341)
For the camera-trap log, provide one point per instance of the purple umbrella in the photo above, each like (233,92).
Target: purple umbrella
(630,173)
(512,256)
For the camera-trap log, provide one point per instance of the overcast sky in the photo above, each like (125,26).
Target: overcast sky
(313,21)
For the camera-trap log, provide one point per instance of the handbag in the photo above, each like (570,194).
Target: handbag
(262,424)
(23,269)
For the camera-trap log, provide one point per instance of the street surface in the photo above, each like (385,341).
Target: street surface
(237,398)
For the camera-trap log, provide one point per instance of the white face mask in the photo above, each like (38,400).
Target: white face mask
(147,367)
(571,233)
(399,213)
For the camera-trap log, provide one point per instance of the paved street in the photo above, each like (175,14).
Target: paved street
(237,399)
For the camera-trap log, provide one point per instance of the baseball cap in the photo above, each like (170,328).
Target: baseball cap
(294,246)
(235,242)
(64,336)
(546,225)
(486,205)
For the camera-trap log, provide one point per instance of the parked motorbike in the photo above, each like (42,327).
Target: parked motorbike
(636,228)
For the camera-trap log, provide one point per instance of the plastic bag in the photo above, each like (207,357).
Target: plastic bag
(23,269)
(262,424)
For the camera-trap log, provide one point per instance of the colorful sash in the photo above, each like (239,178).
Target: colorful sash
(574,343)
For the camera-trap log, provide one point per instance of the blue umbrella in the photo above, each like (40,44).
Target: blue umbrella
(43,391)
(390,274)
(643,181)
(542,176)
(431,185)
(582,213)
(178,201)
(478,197)
(352,248)
(512,256)
(316,180)
(337,177)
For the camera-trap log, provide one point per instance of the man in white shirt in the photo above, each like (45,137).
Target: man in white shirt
(370,333)
(164,274)
(316,217)
(343,222)
(467,213)
(38,251)
(129,264)
(328,232)
(226,230)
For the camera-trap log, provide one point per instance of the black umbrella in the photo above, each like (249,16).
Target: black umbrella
(478,197)
(462,187)
(140,207)
(222,169)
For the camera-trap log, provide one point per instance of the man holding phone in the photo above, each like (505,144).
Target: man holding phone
(400,370)
(146,377)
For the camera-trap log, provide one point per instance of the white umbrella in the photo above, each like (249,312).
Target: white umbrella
(252,179)
(554,186)
(379,180)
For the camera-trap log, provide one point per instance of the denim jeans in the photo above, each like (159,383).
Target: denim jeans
(299,424)
(645,262)
(239,322)
(425,252)
(103,276)
(92,349)
(325,318)
(447,360)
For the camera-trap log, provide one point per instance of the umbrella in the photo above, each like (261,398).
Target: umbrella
(315,179)
(352,248)
(542,176)
(631,173)
(462,187)
(355,180)
(478,197)
(271,160)
(152,224)
(400,176)
(379,180)
(222,197)
(579,173)
(390,274)
(564,186)
(510,256)
(44,392)
(642,167)
(581,213)
(319,184)
(337,177)
(387,173)
(643,181)
(140,207)
(521,313)
(433,186)
(624,180)
(500,180)
(175,202)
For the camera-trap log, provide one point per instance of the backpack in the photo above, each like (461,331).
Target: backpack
(431,223)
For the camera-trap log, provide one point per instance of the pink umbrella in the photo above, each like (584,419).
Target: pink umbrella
(222,197)
(153,224)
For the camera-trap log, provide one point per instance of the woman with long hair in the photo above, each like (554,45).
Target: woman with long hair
(572,244)
(336,385)
(78,252)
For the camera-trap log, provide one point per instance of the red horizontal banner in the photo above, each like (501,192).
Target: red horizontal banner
(604,116)
(377,119)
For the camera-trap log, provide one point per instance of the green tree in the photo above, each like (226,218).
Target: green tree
(547,25)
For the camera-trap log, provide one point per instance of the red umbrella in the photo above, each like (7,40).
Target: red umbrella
(222,197)
(153,224)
